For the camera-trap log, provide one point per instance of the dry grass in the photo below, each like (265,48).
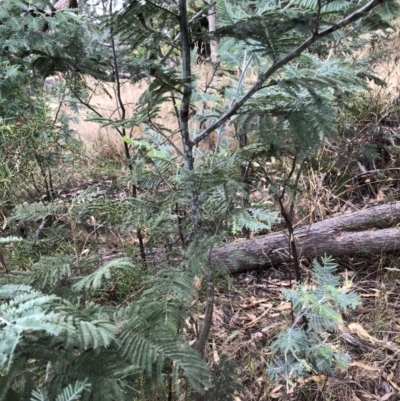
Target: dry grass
(105,142)
(387,67)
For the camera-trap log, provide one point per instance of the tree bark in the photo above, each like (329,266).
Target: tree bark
(366,231)
(212,25)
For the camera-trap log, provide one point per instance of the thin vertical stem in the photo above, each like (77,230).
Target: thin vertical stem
(244,168)
(122,116)
(189,167)
(184,120)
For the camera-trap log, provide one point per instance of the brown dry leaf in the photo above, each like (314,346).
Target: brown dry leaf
(197,282)
(377,293)
(317,378)
(4,220)
(363,366)
(380,196)
(270,326)
(320,380)
(366,395)
(259,317)
(221,334)
(392,383)
(218,316)
(354,397)
(285,283)
(251,316)
(385,397)
(284,306)
(268,305)
(3,263)
(275,393)
(280,283)
(356,328)
(252,302)
(215,353)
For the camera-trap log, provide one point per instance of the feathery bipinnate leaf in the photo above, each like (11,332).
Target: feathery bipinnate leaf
(23,310)
(8,240)
(70,393)
(150,348)
(304,348)
(94,281)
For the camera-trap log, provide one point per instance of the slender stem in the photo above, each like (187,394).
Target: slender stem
(180,228)
(122,116)
(184,119)
(120,103)
(43,172)
(210,297)
(189,167)
(289,224)
(196,17)
(245,180)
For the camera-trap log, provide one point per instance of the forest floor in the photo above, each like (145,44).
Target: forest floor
(249,311)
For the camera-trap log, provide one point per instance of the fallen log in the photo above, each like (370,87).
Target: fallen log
(366,231)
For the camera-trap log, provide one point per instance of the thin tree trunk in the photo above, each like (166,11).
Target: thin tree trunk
(122,115)
(184,118)
(212,26)
(189,167)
